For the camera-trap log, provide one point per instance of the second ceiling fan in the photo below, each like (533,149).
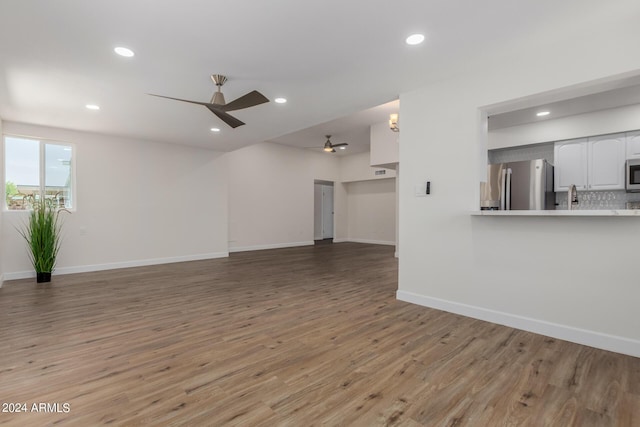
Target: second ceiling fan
(329,147)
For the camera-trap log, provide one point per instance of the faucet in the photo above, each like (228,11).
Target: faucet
(572,197)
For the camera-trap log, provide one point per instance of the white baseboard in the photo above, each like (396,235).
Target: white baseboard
(369,241)
(115,265)
(271,246)
(568,333)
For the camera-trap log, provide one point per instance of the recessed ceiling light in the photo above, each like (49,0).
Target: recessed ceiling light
(542,113)
(343,148)
(414,39)
(215,129)
(123,51)
(280,100)
(92,106)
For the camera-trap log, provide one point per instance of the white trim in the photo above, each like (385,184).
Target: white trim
(569,333)
(271,246)
(1,279)
(115,265)
(20,275)
(369,241)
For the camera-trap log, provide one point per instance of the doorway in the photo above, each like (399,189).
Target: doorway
(322,210)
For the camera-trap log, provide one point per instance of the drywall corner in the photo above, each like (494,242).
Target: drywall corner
(2,206)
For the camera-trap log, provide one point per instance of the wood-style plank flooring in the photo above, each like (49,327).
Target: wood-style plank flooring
(289,337)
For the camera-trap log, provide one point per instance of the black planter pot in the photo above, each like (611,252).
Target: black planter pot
(43,277)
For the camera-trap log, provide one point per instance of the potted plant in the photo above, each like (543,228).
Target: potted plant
(42,233)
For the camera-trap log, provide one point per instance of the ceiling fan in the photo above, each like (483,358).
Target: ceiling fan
(329,147)
(219,107)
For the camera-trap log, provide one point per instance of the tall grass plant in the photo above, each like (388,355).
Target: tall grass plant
(42,233)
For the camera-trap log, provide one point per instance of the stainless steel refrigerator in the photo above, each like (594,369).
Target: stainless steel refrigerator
(526,185)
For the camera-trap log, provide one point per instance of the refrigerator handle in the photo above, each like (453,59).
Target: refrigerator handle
(508,191)
(503,179)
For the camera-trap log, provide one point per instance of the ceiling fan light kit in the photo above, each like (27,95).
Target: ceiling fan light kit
(220,108)
(330,148)
(218,96)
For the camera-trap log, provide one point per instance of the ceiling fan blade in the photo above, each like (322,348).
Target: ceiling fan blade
(245,101)
(183,100)
(339,145)
(227,118)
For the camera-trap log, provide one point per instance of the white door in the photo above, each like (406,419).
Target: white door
(317,211)
(327,212)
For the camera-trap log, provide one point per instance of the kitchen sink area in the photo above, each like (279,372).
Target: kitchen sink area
(595,165)
(594,155)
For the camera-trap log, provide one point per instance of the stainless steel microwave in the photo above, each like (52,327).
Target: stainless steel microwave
(632,176)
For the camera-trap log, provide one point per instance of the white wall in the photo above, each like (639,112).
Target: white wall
(566,277)
(271,197)
(1,204)
(372,211)
(138,203)
(371,201)
(384,145)
(356,167)
(271,190)
(602,122)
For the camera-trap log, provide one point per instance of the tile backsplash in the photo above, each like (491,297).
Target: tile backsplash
(598,200)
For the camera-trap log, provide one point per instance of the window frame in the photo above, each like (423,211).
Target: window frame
(42,143)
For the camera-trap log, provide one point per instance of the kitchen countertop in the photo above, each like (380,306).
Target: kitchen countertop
(602,212)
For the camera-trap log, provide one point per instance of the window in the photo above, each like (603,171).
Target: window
(34,169)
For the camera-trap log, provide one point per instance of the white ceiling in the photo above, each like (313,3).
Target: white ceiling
(613,98)
(352,129)
(331,59)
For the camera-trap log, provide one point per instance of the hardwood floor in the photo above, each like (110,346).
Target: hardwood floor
(288,337)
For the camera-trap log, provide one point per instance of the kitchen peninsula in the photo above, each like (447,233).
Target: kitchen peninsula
(564,213)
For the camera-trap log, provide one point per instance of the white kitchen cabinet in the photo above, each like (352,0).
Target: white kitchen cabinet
(633,145)
(595,163)
(606,162)
(570,164)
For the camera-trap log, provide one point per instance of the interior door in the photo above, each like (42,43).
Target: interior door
(327,212)
(317,211)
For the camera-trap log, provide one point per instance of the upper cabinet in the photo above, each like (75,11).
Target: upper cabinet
(571,160)
(595,163)
(606,162)
(633,145)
